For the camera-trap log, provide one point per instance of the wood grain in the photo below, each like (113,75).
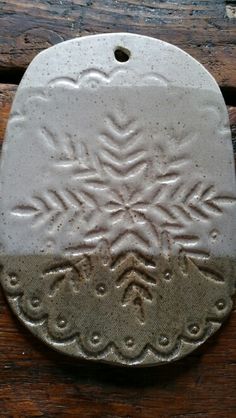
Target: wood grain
(7,93)
(201,27)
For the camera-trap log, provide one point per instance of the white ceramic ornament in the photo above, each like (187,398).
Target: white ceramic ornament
(117,201)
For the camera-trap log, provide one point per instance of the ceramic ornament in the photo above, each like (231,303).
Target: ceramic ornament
(117,201)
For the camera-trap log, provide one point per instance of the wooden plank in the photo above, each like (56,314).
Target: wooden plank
(232,118)
(201,27)
(7,93)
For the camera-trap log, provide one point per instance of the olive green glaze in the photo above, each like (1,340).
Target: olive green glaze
(132,311)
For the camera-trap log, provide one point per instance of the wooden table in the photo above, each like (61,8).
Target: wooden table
(34,380)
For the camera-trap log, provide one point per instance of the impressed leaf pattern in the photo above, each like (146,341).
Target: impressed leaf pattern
(123,155)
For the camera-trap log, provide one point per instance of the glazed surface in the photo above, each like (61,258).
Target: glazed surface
(128,198)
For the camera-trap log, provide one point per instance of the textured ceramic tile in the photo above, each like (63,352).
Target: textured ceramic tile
(117,201)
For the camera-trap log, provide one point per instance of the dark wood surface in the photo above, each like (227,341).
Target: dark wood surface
(35,381)
(201,27)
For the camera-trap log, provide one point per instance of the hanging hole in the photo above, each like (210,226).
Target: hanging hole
(121,54)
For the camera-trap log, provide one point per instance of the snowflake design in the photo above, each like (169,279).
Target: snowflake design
(126,206)
(114,207)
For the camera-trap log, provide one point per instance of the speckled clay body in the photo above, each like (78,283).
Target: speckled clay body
(118,200)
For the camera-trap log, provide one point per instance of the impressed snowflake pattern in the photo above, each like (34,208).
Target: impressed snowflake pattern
(116,212)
